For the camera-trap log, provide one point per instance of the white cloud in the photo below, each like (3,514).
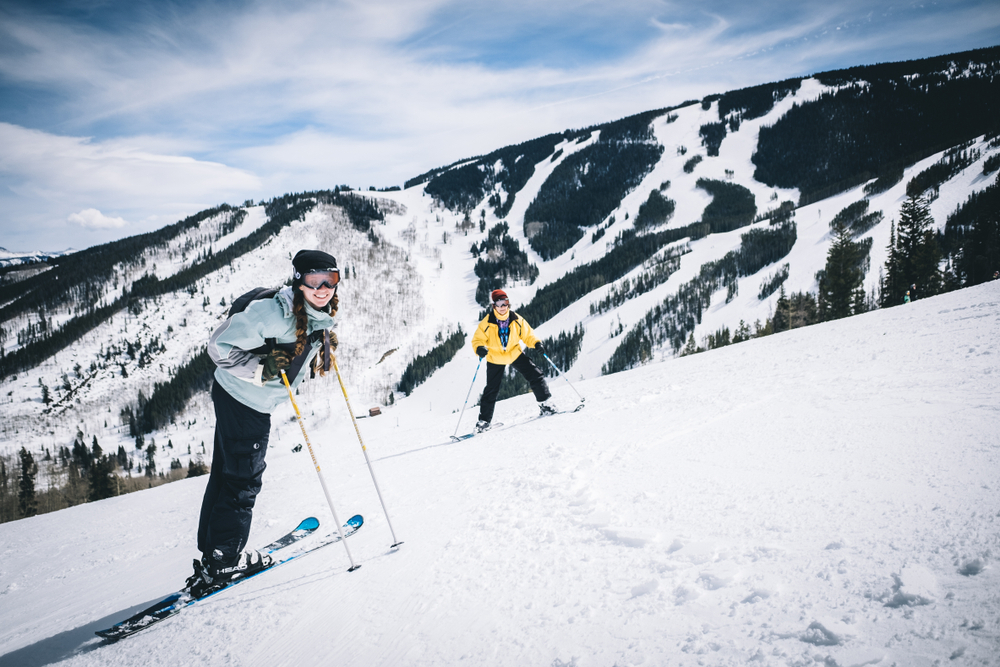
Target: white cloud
(91,218)
(52,187)
(293,96)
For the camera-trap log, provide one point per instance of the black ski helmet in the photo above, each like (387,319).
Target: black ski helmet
(307,261)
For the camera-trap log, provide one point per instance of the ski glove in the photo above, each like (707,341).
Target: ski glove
(482,351)
(538,346)
(274,363)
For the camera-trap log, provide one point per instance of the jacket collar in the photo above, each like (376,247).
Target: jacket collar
(510,318)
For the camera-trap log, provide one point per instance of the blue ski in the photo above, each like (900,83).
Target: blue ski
(176,602)
(500,425)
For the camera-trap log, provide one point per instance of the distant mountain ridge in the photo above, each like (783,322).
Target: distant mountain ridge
(683,228)
(14,258)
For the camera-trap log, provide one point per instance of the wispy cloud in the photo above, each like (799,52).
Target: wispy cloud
(187,104)
(91,218)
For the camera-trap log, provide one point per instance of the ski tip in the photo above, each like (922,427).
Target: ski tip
(357,520)
(312,523)
(396,545)
(352,569)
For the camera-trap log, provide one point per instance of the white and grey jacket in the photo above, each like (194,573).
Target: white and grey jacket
(239,369)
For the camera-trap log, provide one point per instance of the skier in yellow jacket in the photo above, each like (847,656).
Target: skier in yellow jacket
(497,339)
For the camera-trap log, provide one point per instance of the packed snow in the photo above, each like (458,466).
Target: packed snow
(822,496)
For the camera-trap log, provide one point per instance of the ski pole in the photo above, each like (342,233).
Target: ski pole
(322,481)
(467,396)
(364,449)
(582,399)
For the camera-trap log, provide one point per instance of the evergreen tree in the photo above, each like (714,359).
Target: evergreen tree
(918,254)
(888,287)
(46,395)
(782,312)
(841,279)
(101,479)
(26,490)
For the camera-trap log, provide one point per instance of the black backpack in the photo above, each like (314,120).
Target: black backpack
(240,304)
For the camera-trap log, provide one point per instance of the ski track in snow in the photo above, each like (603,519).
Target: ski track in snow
(822,496)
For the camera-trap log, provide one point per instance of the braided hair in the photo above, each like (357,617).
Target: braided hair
(302,329)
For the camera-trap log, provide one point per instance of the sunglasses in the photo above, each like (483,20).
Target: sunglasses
(320,279)
(501,304)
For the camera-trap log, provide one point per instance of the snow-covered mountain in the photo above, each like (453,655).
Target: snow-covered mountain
(826,496)
(150,302)
(14,258)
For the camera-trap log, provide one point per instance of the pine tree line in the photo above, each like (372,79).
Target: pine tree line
(884,119)
(504,263)
(971,236)
(656,210)
(886,180)
(771,284)
(739,105)
(663,267)
(423,366)
(732,206)
(281,212)
(85,274)
(856,219)
(675,318)
(629,251)
(585,188)
(931,178)
(170,398)
(83,474)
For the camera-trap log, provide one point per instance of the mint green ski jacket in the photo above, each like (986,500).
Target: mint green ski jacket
(239,371)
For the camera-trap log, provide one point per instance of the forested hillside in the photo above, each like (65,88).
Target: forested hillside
(668,232)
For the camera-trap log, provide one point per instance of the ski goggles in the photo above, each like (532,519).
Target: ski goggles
(328,278)
(502,304)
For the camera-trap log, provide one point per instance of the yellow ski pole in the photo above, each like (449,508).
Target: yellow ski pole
(322,481)
(395,542)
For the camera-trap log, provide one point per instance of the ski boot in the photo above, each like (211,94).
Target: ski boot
(246,564)
(546,408)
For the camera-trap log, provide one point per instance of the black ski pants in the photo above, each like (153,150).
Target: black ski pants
(241,435)
(494,376)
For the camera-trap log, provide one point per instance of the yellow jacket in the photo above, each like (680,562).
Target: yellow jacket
(488,334)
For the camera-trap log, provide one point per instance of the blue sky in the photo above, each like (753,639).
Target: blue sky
(120,117)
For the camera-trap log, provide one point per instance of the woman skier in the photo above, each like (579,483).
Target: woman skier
(290,332)
(497,339)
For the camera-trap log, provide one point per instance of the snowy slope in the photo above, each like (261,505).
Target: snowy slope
(420,285)
(822,496)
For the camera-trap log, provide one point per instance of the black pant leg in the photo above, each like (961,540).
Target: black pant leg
(531,373)
(241,436)
(494,376)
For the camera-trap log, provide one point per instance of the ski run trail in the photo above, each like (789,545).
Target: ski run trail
(827,496)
